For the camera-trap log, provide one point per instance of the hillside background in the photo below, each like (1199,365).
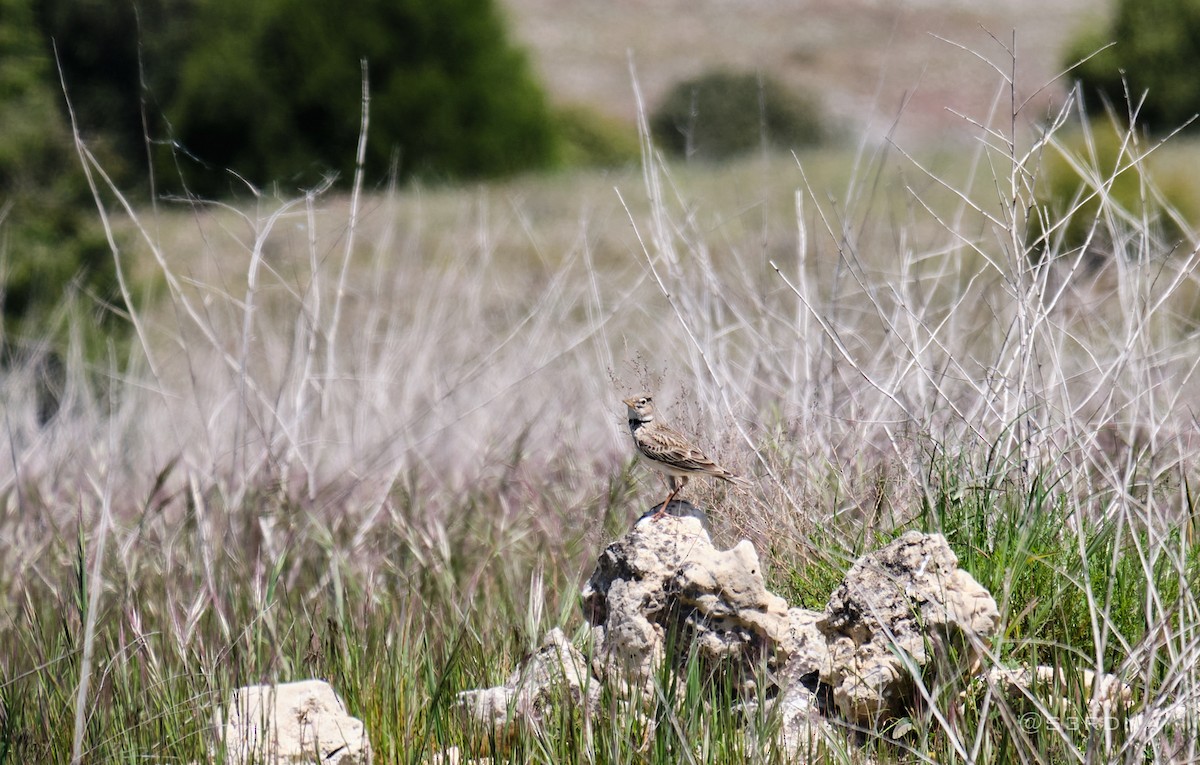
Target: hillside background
(871,61)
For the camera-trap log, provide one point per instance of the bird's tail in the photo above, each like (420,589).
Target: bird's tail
(737,481)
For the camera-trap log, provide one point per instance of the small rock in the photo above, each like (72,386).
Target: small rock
(804,732)
(557,671)
(905,606)
(488,707)
(1108,694)
(1167,731)
(298,723)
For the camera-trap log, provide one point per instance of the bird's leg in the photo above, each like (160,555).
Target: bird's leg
(675,484)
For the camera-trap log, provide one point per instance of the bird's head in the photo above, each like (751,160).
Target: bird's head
(641,407)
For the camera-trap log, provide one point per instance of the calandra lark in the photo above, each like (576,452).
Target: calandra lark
(669,451)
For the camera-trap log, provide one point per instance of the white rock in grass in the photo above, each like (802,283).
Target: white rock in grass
(904,608)
(557,672)
(1108,697)
(805,733)
(298,723)
(1167,731)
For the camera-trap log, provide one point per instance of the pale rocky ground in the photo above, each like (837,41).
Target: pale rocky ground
(870,61)
(903,611)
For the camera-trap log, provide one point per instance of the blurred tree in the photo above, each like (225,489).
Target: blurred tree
(1157,51)
(54,259)
(271,91)
(50,241)
(117,58)
(722,114)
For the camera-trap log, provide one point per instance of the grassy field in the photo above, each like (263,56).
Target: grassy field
(377,438)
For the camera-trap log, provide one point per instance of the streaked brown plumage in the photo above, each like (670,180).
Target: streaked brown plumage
(667,450)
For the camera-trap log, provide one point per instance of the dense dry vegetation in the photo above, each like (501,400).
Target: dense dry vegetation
(376,438)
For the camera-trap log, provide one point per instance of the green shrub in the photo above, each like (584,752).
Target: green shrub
(1157,51)
(591,139)
(55,263)
(723,114)
(116,60)
(1062,192)
(271,91)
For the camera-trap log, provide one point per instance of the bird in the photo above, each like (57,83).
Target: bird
(668,451)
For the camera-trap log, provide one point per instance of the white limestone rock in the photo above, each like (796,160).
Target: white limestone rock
(301,723)
(903,608)
(665,577)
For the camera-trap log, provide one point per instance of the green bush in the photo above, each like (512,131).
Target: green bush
(52,250)
(271,91)
(723,114)
(591,139)
(58,279)
(116,60)
(1157,51)
(1061,189)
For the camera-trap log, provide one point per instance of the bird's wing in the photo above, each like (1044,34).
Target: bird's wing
(671,448)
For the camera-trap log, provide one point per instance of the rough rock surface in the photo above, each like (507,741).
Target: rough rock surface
(664,593)
(664,581)
(806,732)
(557,671)
(805,645)
(903,608)
(293,724)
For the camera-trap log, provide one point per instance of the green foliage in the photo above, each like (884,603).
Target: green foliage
(53,254)
(115,59)
(1095,186)
(591,139)
(723,114)
(1157,50)
(1050,579)
(272,92)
